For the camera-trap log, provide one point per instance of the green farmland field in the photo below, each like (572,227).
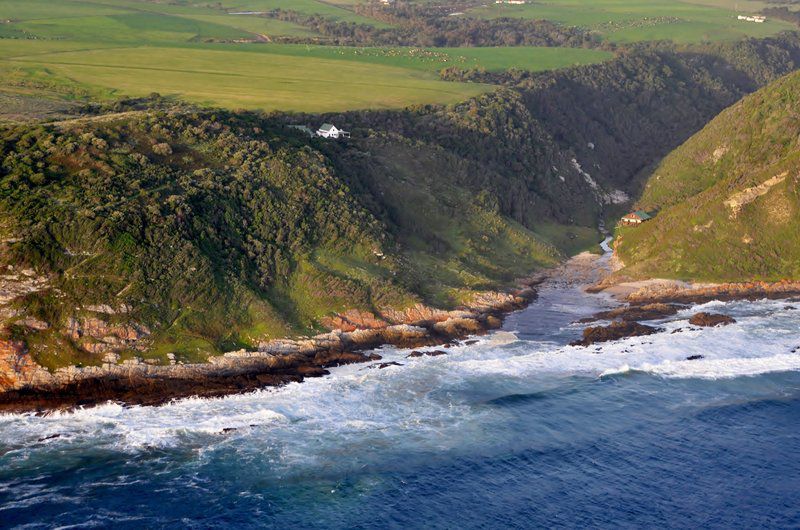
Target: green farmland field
(434,59)
(106,48)
(646,20)
(200,52)
(236,79)
(289,77)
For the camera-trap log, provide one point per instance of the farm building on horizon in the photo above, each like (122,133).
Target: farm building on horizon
(329,130)
(636,218)
(753,18)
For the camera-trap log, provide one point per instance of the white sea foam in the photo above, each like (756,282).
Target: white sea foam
(421,403)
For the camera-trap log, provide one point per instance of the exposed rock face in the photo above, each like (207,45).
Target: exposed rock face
(33,323)
(414,314)
(455,327)
(710,319)
(18,284)
(617,330)
(678,292)
(354,319)
(629,313)
(108,310)
(737,201)
(98,336)
(16,366)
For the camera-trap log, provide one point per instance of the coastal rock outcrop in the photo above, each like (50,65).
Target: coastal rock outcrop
(354,319)
(629,313)
(98,336)
(434,353)
(711,320)
(108,330)
(682,293)
(615,331)
(16,365)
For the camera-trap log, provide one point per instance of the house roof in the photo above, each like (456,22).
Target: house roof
(638,214)
(327,127)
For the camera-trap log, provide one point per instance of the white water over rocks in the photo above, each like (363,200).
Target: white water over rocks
(429,404)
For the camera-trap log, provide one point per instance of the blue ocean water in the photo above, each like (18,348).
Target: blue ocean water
(516,431)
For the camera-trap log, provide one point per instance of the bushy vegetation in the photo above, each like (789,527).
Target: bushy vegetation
(728,199)
(616,120)
(414,25)
(220,230)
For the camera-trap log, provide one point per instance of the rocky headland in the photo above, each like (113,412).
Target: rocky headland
(27,386)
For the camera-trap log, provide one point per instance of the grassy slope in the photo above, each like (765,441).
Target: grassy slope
(634,20)
(234,79)
(696,235)
(530,58)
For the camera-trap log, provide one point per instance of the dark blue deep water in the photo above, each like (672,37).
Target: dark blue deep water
(516,431)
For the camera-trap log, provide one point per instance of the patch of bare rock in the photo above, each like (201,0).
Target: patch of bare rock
(710,320)
(687,293)
(615,331)
(434,353)
(629,313)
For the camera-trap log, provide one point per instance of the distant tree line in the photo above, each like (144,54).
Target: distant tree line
(783,13)
(415,29)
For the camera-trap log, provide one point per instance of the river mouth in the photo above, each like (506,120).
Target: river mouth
(516,429)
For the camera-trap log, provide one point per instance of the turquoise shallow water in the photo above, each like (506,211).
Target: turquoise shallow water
(518,430)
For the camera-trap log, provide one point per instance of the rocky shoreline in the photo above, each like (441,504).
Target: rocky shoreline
(657,291)
(26,386)
(656,299)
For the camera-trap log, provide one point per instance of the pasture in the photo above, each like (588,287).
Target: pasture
(199,51)
(432,60)
(238,79)
(99,49)
(637,20)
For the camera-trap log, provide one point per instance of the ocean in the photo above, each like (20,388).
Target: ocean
(518,430)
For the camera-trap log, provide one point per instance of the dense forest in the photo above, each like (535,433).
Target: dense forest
(217,230)
(214,230)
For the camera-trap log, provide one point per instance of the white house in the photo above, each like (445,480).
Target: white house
(329,130)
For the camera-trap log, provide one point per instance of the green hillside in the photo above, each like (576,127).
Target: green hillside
(728,200)
(219,230)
